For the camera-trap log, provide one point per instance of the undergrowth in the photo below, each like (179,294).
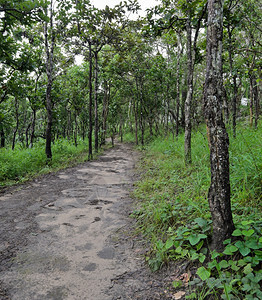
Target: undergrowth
(23,163)
(173,214)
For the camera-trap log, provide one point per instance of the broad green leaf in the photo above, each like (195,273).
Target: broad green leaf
(201,222)
(203,273)
(248,232)
(237,232)
(223,264)
(244,251)
(194,239)
(241,263)
(252,244)
(248,269)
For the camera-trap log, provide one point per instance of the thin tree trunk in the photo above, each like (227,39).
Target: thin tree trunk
(219,191)
(255,99)
(32,136)
(76,128)
(96,105)
(234,99)
(26,135)
(49,72)
(68,127)
(105,113)
(178,82)
(188,102)
(2,135)
(90,150)
(251,104)
(17,124)
(136,121)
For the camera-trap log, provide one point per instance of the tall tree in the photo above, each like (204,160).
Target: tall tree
(49,49)
(219,191)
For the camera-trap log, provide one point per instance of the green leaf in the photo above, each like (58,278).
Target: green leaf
(199,245)
(177,284)
(248,232)
(248,269)
(252,244)
(215,254)
(237,232)
(230,249)
(201,222)
(248,222)
(194,256)
(241,263)
(223,264)
(169,243)
(203,273)
(244,251)
(194,239)
(202,258)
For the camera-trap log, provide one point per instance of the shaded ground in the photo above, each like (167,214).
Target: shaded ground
(68,236)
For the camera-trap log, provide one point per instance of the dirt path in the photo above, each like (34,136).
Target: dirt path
(66,236)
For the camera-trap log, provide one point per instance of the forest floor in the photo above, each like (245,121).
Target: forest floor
(69,235)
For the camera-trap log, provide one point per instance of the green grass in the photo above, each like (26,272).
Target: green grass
(172,208)
(22,164)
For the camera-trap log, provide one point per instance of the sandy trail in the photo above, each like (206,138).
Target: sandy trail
(59,233)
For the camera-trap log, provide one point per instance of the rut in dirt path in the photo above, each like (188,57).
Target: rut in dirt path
(59,233)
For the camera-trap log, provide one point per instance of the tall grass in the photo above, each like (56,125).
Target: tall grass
(21,164)
(173,213)
(172,193)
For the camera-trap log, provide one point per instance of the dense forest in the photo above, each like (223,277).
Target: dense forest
(189,72)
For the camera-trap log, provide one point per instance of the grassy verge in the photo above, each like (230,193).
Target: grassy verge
(23,164)
(173,214)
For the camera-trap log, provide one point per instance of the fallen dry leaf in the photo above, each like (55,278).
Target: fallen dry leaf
(179,295)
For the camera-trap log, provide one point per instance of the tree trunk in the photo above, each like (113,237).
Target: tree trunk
(188,102)
(32,136)
(96,105)
(76,128)
(219,191)
(136,121)
(2,135)
(26,135)
(49,72)
(17,124)
(255,98)
(105,112)
(90,150)
(234,99)
(178,82)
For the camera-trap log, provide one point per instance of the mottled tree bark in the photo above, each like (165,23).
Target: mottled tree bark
(219,191)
